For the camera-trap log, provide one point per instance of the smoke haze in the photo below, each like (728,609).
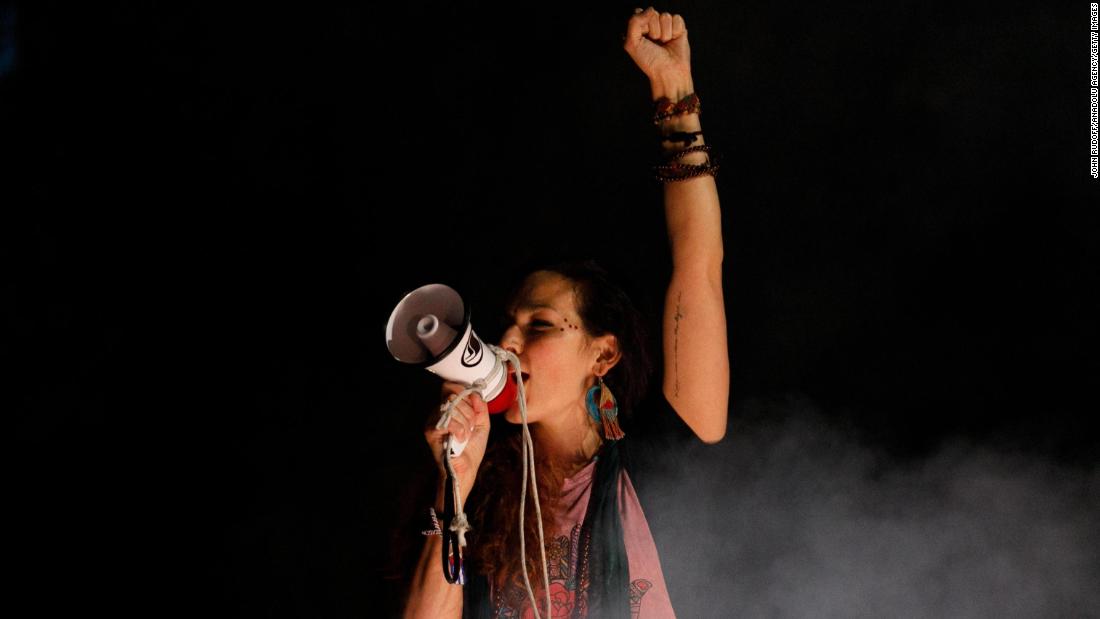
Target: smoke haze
(802,521)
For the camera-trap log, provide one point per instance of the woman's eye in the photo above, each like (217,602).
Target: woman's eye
(540,324)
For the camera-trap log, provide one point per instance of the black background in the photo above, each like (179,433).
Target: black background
(211,213)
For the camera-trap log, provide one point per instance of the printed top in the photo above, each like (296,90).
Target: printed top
(649,597)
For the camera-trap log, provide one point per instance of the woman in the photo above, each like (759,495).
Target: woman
(580,344)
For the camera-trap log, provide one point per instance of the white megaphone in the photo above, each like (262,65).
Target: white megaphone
(430,328)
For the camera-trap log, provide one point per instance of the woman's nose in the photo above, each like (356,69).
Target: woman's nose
(510,341)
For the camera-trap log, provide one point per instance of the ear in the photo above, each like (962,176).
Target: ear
(607,354)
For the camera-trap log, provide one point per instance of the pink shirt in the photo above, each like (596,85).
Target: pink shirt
(648,593)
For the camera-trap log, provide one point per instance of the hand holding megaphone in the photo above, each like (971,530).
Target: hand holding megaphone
(430,327)
(466,435)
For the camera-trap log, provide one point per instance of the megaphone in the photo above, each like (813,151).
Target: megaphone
(430,328)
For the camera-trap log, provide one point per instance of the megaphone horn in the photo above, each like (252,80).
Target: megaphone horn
(430,327)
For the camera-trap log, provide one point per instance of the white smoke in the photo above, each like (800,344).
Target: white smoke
(793,518)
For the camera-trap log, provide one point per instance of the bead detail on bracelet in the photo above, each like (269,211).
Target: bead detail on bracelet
(665,108)
(679,172)
(679,154)
(673,170)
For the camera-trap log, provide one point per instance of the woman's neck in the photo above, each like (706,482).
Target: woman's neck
(569,440)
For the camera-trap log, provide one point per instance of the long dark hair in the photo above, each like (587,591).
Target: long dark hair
(604,307)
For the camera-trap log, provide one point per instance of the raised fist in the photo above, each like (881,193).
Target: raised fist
(658,44)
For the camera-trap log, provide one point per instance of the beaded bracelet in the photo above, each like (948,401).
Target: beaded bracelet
(677,171)
(684,171)
(436,529)
(679,154)
(674,170)
(665,108)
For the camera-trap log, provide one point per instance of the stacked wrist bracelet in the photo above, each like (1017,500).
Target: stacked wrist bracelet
(665,108)
(436,529)
(671,169)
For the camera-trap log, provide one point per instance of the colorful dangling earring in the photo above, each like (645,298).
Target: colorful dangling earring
(592,403)
(606,410)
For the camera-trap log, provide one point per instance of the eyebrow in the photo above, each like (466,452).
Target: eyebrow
(532,306)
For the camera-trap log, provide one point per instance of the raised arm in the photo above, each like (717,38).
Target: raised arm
(696,379)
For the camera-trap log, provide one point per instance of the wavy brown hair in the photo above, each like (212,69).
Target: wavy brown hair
(495,537)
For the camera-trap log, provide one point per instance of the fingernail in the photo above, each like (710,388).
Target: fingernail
(636,11)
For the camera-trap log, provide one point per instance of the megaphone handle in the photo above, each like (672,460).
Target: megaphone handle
(455,447)
(453,570)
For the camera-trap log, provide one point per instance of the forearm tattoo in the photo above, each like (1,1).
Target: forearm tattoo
(676,344)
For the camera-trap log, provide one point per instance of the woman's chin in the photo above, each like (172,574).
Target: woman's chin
(513,414)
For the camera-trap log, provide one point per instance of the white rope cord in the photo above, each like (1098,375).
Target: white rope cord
(460,525)
(529,463)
